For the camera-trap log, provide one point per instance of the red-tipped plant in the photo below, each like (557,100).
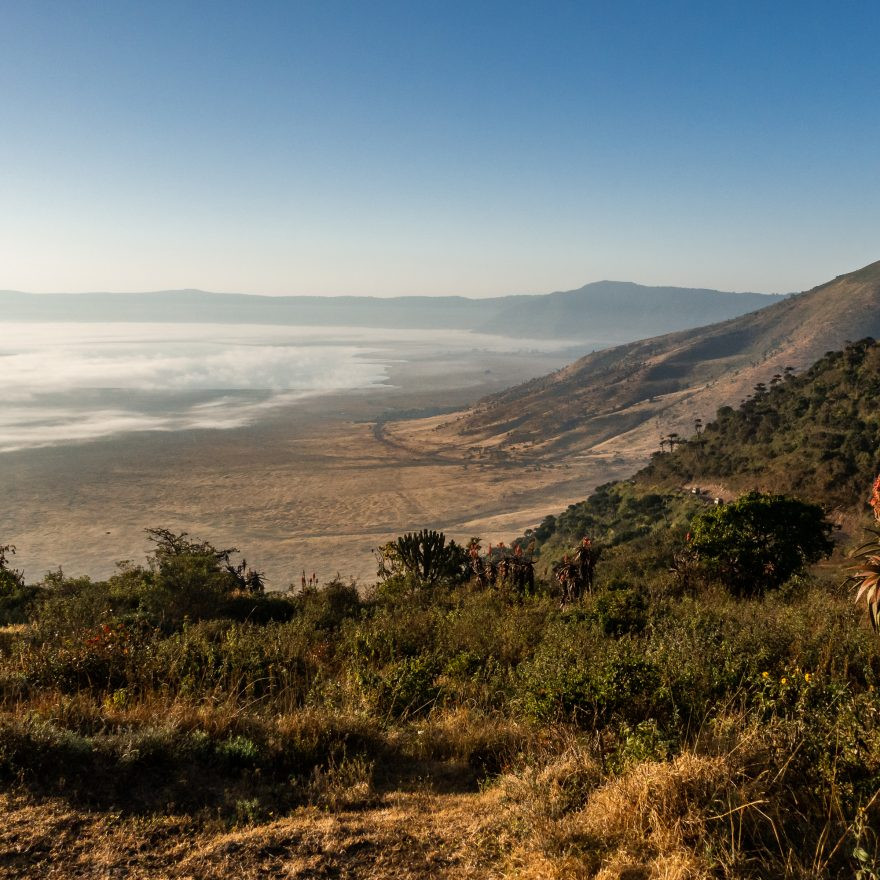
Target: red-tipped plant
(867,578)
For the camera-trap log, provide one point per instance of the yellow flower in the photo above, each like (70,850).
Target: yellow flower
(783,680)
(807,677)
(765,675)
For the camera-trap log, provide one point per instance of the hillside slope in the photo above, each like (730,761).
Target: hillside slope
(816,435)
(636,393)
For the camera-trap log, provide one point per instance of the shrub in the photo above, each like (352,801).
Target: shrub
(406,688)
(102,658)
(621,611)
(327,607)
(248,608)
(16,598)
(424,556)
(759,541)
(577,675)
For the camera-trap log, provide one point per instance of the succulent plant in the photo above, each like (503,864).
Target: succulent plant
(424,555)
(867,577)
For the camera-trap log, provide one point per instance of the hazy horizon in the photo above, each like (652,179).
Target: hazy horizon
(77,382)
(379,295)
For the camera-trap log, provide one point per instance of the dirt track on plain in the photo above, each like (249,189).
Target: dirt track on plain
(314,487)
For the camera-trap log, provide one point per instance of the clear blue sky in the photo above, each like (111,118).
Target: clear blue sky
(437,147)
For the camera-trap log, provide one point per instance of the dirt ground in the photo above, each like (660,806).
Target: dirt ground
(312,487)
(405,836)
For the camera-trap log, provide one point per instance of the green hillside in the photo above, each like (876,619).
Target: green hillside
(707,701)
(815,435)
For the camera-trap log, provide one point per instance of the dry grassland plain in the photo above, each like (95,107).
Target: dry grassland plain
(312,487)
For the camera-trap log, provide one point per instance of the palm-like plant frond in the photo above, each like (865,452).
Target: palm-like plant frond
(867,578)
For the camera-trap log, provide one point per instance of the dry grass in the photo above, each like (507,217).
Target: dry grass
(681,819)
(557,817)
(405,835)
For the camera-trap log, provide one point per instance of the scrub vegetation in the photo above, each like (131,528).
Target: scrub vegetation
(704,704)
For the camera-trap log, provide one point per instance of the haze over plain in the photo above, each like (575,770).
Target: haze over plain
(444,151)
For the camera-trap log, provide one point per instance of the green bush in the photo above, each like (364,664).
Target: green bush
(578,675)
(100,659)
(405,688)
(17,599)
(327,607)
(621,611)
(759,541)
(247,608)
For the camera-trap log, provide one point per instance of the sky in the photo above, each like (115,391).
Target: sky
(471,148)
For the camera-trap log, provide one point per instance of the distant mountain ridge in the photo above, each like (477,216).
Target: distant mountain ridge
(605,306)
(607,311)
(632,394)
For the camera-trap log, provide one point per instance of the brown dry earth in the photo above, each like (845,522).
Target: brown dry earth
(404,835)
(314,487)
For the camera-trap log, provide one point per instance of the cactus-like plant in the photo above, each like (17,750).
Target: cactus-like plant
(575,574)
(511,571)
(424,555)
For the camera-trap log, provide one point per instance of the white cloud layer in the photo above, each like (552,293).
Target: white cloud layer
(62,382)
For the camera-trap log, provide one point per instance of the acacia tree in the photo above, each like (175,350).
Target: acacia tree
(759,541)
(187,577)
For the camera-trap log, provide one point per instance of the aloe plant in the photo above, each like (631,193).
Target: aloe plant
(575,575)
(867,578)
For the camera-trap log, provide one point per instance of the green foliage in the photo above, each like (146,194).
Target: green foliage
(10,578)
(621,611)
(406,688)
(267,608)
(327,607)
(184,578)
(16,598)
(577,675)
(759,541)
(641,742)
(100,658)
(425,557)
(246,718)
(617,516)
(817,434)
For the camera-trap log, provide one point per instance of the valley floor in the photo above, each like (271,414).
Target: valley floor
(315,487)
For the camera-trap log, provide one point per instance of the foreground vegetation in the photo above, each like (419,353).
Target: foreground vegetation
(661,723)
(680,696)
